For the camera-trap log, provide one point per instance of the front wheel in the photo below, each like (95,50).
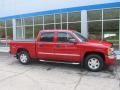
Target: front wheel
(24,57)
(94,62)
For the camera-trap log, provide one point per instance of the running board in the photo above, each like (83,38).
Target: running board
(60,62)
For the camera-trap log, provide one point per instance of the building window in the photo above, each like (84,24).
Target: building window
(49,26)
(75,26)
(38,20)
(57,18)
(28,28)
(2,24)
(105,23)
(38,25)
(58,26)
(2,33)
(48,19)
(2,37)
(18,22)
(9,33)
(64,26)
(94,15)
(95,30)
(19,29)
(28,32)
(32,25)
(9,23)
(6,32)
(64,17)
(94,18)
(111,32)
(24,28)
(28,21)
(111,13)
(19,33)
(37,28)
(74,21)
(111,25)
(74,16)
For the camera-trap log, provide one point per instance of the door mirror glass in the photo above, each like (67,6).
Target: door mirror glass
(72,41)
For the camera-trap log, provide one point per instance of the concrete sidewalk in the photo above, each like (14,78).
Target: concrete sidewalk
(51,76)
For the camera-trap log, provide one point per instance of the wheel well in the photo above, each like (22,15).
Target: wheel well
(19,50)
(98,53)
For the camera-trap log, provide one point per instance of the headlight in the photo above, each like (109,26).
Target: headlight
(110,51)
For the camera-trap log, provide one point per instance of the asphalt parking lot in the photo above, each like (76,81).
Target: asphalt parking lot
(51,76)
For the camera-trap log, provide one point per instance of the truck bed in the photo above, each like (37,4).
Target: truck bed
(30,46)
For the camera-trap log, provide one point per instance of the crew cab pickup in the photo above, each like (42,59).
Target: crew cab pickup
(65,46)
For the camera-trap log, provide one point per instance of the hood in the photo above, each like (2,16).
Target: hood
(98,42)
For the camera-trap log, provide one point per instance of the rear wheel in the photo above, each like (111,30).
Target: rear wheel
(24,57)
(94,62)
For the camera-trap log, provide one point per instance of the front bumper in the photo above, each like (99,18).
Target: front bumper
(110,59)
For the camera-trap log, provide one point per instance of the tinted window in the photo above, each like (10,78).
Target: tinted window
(64,37)
(80,36)
(47,37)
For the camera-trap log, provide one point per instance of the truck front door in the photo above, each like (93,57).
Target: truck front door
(64,50)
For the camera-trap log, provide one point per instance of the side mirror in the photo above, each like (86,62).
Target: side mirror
(72,41)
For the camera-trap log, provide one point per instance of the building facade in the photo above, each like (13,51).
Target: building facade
(95,19)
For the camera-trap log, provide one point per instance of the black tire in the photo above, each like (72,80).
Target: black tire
(24,57)
(94,62)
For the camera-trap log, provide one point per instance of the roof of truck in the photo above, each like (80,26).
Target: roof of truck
(57,30)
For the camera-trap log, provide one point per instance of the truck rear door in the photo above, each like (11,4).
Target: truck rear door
(45,45)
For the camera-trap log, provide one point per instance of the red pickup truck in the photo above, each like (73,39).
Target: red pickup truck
(65,46)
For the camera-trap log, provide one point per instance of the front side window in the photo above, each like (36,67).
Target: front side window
(47,37)
(82,38)
(64,37)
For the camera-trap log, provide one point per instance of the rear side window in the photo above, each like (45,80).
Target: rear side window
(64,37)
(47,37)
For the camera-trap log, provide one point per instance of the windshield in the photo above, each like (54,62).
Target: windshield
(83,39)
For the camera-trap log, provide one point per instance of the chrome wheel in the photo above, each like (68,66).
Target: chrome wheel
(23,58)
(93,63)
